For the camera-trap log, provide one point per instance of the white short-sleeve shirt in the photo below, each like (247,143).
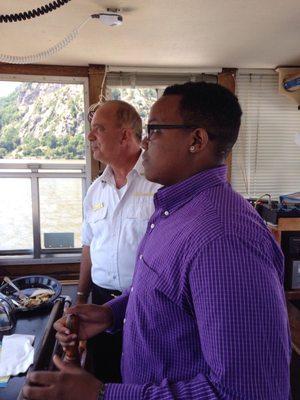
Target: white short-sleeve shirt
(114,224)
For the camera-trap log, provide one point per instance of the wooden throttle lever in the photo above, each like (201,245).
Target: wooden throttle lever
(72,352)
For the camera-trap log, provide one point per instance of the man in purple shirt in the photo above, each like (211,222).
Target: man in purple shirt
(205,317)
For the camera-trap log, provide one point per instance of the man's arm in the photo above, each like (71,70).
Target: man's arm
(84,285)
(94,319)
(242,319)
(243,330)
(243,333)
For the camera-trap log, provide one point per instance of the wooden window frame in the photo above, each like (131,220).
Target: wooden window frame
(226,78)
(95,75)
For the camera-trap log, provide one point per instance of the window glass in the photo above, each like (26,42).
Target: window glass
(41,121)
(61,212)
(42,165)
(15,214)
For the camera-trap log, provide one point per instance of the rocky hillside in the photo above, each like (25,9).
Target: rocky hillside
(42,120)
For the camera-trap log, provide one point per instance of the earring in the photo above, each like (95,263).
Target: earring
(192,149)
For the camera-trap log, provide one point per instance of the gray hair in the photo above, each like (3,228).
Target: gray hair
(126,115)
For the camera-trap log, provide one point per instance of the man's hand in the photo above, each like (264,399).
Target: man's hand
(93,320)
(69,383)
(81,298)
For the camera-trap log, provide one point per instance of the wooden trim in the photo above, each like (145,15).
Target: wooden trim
(292,294)
(284,224)
(229,166)
(58,271)
(96,77)
(289,224)
(294,319)
(45,70)
(226,78)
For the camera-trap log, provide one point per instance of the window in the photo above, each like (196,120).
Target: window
(141,98)
(142,89)
(265,158)
(44,171)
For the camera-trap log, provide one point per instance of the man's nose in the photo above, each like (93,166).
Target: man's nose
(144,143)
(91,135)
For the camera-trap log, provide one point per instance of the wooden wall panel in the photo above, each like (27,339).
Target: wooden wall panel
(58,271)
(227,79)
(96,77)
(45,70)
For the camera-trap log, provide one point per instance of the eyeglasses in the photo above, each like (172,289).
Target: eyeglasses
(90,115)
(152,129)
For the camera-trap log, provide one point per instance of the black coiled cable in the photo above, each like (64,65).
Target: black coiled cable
(33,13)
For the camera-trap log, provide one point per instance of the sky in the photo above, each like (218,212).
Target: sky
(7,87)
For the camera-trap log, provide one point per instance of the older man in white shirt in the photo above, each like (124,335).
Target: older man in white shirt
(117,208)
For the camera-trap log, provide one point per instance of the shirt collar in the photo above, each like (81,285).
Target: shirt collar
(107,175)
(139,166)
(169,198)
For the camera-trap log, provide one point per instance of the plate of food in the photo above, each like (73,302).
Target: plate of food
(35,292)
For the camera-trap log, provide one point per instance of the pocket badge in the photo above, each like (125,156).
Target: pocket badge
(98,206)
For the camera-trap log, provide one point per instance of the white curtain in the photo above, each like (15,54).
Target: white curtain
(266,158)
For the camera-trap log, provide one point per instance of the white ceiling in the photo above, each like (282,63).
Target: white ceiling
(162,33)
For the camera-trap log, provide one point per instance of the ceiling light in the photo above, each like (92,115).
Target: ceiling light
(110,17)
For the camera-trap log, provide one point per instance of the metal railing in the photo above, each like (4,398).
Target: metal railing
(35,171)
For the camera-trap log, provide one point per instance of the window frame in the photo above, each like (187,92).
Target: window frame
(45,256)
(252,142)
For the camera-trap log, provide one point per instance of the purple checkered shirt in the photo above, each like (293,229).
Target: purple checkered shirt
(206,315)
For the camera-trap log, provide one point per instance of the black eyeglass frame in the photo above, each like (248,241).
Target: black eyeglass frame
(151,127)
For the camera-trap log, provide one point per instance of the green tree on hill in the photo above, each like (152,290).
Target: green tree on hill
(46,121)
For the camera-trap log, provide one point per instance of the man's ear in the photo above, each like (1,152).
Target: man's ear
(125,133)
(199,139)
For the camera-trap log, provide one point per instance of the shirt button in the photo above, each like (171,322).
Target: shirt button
(131,289)
(124,320)
(141,256)
(152,226)
(166,213)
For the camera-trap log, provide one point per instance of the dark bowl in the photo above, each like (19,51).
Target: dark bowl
(27,284)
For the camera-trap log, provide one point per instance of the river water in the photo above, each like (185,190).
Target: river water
(60,210)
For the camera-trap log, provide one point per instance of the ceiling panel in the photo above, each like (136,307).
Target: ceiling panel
(170,33)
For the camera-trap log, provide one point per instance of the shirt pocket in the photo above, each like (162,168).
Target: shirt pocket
(136,216)
(151,299)
(95,216)
(140,209)
(145,278)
